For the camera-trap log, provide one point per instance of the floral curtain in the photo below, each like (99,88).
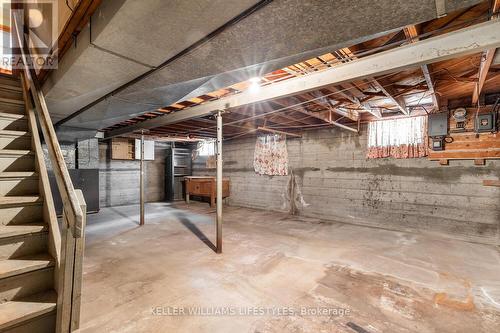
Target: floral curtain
(271,156)
(398,138)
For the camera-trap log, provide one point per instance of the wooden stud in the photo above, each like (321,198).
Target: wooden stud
(479,161)
(443,162)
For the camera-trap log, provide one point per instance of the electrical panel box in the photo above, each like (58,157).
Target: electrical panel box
(149,150)
(438,124)
(485,123)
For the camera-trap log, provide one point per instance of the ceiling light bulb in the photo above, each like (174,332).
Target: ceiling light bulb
(255,80)
(254,87)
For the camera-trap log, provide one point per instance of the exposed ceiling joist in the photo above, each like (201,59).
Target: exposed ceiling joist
(328,119)
(270,130)
(462,42)
(365,106)
(390,92)
(430,85)
(486,61)
(385,88)
(325,116)
(411,32)
(484,68)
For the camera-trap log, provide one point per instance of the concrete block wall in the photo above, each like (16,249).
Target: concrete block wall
(87,154)
(334,181)
(119,179)
(68,151)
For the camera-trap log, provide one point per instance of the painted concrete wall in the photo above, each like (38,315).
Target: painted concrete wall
(334,181)
(119,179)
(69,153)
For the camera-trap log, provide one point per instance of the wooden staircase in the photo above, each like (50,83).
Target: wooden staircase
(28,300)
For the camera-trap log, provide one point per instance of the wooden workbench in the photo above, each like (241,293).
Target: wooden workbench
(205,187)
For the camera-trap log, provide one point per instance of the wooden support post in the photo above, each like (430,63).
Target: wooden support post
(78,267)
(219,182)
(142,180)
(64,295)
(443,162)
(70,286)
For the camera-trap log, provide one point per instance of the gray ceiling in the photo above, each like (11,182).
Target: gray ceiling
(127,38)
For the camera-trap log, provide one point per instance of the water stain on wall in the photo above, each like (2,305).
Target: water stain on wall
(444,173)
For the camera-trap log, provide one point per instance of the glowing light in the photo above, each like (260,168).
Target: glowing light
(255,84)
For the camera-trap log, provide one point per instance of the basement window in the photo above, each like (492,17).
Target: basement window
(206,148)
(398,138)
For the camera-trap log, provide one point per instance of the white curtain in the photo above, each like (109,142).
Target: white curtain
(398,138)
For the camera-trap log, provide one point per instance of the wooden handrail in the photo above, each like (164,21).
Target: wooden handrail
(70,263)
(71,204)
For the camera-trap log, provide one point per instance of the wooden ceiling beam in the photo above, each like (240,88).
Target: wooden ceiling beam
(291,119)
(325,116)
(473,39)
(484,68)
(285,115)
(291,104)
(282,104)
(239,115)
(385,88)
(328,119)
(355,96)
(486,60)
(270,130)
(412,34)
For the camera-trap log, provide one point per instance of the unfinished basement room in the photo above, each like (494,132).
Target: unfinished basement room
(253,166)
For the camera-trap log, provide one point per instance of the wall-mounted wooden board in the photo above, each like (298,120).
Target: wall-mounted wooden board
(468,145)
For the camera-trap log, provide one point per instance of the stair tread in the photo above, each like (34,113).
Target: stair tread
(11,101)
(15,152)
(20,200)
(10,76)
(18,311)
(21,229)
(12,267)
(13,115)
(18,174)
(14,133)
(16,87)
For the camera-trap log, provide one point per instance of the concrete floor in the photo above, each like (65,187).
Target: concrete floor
(273,268)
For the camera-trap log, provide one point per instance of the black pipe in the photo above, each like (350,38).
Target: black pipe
(208,37)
